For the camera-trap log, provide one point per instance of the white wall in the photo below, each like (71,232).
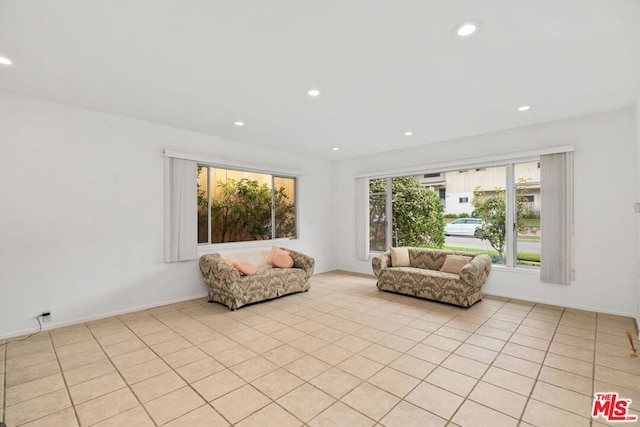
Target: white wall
(454,206)
(605,189)
(81,204)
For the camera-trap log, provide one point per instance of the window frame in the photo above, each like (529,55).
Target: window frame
(510,194)
(207,247)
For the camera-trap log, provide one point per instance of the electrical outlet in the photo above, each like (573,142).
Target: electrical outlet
(46,316)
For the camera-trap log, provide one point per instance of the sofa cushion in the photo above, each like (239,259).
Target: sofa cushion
(280,258)
(454,263)
(400,257)
(414,281)
(245,268)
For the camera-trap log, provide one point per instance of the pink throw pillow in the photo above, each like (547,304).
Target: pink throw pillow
(280,258)
(245,268)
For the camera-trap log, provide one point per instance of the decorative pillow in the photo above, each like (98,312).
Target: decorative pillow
(280,258)
(245,268)
(400,257)
(454,263)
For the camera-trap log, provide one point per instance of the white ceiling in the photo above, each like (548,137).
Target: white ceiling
(383,66)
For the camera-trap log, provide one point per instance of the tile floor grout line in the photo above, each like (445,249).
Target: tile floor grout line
(593,369)
(64,379)
(440,365)
(465,398)
(127,385)
(535,384)
(36,397)
(207,403)
(248,383)
(489,367)
(450,420)
(308,382)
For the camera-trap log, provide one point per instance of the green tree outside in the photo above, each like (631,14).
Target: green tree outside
(243,212)
(493,210)
(417,212)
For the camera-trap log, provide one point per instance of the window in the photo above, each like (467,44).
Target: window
(403,212)
(442,193)
(498,213)
(377,215)
(240,206)
(527,219)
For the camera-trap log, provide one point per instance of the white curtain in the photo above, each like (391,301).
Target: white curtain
(180,210)
(362,219)
(556,222)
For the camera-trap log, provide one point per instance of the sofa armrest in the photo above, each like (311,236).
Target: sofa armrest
(302,261)
(380,262)
(475,272)
(216,271)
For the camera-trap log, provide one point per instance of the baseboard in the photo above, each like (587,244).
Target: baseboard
(575,306)
(354,273)
(54,325)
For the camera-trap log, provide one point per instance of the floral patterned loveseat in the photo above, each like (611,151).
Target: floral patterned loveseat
(424,279)
(229,287)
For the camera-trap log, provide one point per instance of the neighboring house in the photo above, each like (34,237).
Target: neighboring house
(456,188)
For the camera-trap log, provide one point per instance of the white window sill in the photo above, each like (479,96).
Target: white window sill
(531,271)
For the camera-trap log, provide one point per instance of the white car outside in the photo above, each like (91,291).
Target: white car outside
(463,227)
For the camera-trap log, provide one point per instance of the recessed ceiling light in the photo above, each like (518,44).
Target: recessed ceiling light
(335,149)
(238,123)
(408,133)
(468,28)
(313,92)
(524,107)
(5,61)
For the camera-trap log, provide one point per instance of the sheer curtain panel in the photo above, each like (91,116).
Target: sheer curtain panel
(180,210)
(556,193)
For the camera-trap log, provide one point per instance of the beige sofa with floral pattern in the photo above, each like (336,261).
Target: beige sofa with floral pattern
(424,279)
(229,287)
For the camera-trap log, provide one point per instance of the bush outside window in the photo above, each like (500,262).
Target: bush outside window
(241,206)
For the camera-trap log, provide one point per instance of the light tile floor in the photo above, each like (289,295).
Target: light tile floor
(341,354)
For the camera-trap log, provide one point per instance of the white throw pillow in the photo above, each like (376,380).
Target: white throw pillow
(400,257)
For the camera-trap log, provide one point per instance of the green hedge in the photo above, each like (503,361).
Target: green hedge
(524,257)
